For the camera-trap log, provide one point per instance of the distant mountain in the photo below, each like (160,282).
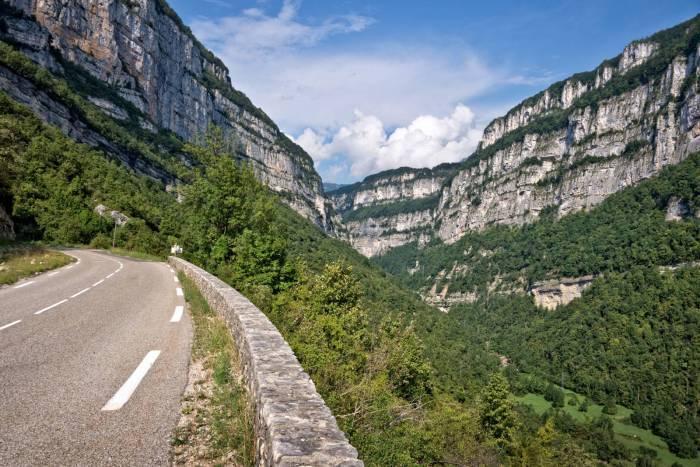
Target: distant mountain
(328,186)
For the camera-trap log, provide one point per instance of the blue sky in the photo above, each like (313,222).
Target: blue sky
(365,86)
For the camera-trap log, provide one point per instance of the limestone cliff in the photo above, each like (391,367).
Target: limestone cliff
(153,66)
(564,149)
(391,208)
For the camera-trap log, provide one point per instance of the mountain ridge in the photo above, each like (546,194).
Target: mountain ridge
(571,145)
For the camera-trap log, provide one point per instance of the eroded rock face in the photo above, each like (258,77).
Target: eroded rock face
(142,50)
(119,218)
(564,150)
(677,209)
(7,229)
(554,293)
(373,234)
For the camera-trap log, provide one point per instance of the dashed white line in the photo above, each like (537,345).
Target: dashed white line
(81,292)
(98,283)
(11,324)
(178,291)
(24,285)
(124,393)
(177,314)
(51,306)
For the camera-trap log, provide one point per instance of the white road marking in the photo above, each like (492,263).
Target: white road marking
(11,324)
(23,285)
(109,276)
(124,393)
(177,315)
(51,306)
(178,291)
(53,273)
(81,292)
(68,267)
(175,279)
(98,283)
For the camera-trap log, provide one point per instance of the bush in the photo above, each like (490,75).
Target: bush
(101,241)
(610,408)
(554,395)
(584,406)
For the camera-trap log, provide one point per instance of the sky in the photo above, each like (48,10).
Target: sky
(366,86)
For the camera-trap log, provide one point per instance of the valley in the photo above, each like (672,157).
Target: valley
(454,315)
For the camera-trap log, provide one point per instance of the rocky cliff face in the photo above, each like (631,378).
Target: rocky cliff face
(141,50)
(390,208)
(554,293)
(564,149)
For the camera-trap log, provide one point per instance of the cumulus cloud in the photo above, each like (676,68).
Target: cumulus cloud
(368,147)
(283,62)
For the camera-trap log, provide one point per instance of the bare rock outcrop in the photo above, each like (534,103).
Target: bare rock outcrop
(554,293)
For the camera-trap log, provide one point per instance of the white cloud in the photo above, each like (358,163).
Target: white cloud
(369,148)
(253,32)
(280,61)
(284,64)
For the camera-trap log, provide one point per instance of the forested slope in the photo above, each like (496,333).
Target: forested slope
(633,336)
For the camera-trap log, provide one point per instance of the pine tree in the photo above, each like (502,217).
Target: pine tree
(497,415)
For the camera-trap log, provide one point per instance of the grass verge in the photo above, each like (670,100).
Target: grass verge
(18,261)
(630,435)
(216,425)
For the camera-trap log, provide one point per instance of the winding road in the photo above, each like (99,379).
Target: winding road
(93,363)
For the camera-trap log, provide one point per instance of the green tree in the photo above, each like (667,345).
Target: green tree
(497,415)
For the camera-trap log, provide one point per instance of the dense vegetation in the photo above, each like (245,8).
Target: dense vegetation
(631,339)
(382,360)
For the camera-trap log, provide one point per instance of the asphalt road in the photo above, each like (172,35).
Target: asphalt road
(95,379)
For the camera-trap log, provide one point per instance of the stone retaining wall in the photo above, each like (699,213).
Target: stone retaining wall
(293,426)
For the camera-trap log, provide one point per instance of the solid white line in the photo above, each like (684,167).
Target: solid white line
(68,267)
(80,293)
(98,283)
(177,315)
(51,306)
(109,276)
(124,393)
(11,324)
(53,273)
(175,279)
(178,291)
(23,285)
